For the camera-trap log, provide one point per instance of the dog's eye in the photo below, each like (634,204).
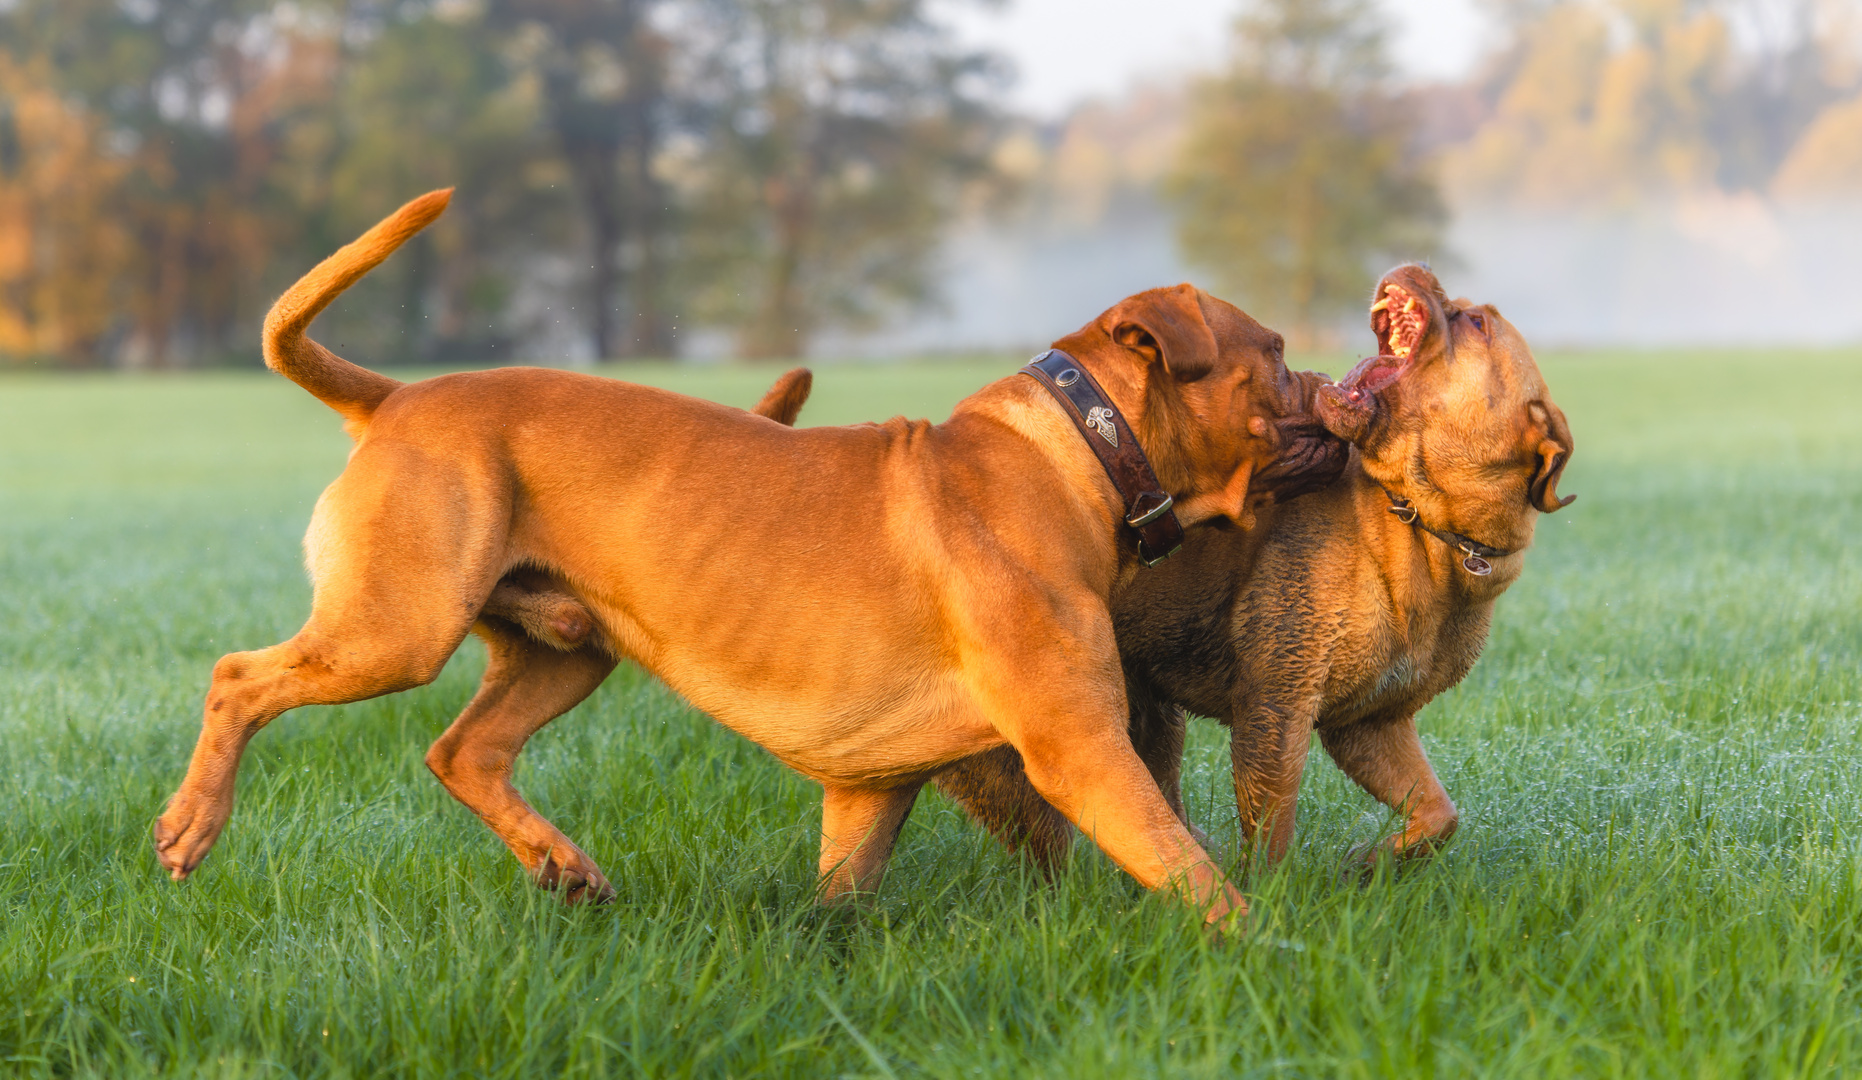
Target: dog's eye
(1479,322)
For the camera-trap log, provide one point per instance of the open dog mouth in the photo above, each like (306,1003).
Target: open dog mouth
(1400,319)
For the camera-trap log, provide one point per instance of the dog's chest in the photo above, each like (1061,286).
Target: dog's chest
(1389,671)
(1369,682)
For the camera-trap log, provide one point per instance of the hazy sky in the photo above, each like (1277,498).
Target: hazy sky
(1066,50)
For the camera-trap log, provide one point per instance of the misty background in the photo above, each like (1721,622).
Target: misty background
(873,178)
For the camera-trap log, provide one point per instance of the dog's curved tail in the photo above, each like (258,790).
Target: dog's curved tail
(352,391)
(783,401)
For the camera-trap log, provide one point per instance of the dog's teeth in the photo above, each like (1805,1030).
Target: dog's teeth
(1381,305)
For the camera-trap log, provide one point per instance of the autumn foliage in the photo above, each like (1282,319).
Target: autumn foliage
(625,168)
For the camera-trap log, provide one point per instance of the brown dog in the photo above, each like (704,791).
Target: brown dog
(1336,613)
(869,603)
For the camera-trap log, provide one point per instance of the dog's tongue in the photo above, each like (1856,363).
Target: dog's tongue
(1370,376)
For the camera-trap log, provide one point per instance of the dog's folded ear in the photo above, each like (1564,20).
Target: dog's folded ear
(1550,438)
(1166,325)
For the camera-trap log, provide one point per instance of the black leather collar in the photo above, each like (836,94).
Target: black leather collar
(1475,554)
(1147,504)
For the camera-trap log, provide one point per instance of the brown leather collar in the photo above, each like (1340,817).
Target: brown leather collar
(1147,505)
(1475,554)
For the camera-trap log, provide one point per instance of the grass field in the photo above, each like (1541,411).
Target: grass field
(1658,761)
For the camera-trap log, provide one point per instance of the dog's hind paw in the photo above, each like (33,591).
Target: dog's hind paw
(574,878)
(183,839)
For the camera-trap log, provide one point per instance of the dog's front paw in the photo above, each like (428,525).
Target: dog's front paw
(573,876)
(1362,861)
(1224,922)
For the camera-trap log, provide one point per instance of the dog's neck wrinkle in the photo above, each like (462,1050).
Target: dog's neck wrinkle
(1410,548)
(1439,508)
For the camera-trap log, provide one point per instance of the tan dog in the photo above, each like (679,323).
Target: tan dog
(869,603)
(1337,614)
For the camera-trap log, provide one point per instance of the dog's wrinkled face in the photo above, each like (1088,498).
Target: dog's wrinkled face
(1452,413)
(1237,427)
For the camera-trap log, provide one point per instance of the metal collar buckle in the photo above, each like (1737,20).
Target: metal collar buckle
(1148,508)
(1140,517)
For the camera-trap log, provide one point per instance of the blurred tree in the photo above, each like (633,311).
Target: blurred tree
(1826,164)
(835,137)
(602,68)
(60,249)
(170,98)
(436,98)
(1796,67)
(1295,177)
(166,164)
(1614,103)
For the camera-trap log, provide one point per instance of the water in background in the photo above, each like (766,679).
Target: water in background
(1713,270)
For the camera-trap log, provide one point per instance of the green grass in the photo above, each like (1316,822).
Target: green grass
(1659,764)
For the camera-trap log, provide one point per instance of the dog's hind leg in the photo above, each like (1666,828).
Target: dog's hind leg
(526,685)
(404,554)
(858,828)
(338,657)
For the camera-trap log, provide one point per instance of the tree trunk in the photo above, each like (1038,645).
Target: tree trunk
(594,134)
(595,175)
(779,330)
(644,198)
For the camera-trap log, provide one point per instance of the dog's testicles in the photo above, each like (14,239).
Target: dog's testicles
(547,611)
